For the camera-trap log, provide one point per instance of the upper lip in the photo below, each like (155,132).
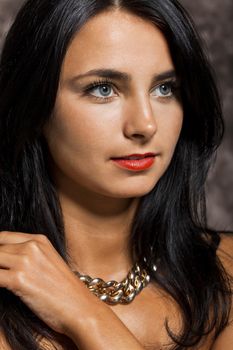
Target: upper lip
(136,155)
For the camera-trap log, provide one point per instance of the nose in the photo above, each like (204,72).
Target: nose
(139,120)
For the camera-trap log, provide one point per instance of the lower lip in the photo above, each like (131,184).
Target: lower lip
(135,164)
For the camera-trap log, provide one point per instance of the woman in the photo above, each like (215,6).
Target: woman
(109,120)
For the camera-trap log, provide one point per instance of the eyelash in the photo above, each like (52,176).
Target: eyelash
(99,83)
(173,84)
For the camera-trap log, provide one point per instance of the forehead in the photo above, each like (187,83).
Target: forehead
(120,40)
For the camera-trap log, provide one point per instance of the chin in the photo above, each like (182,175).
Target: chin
(133,192)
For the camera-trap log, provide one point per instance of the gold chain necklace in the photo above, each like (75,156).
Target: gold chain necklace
(114,292)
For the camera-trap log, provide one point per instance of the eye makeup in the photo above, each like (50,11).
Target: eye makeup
(98,84)
(172,85)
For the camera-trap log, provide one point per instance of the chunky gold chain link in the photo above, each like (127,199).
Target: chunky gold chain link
(114,292)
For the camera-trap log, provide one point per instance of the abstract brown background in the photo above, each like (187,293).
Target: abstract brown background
(214,19)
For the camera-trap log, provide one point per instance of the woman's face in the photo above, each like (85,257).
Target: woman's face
(118,96)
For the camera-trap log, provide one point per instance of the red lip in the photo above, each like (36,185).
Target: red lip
(137,155)
(143,161)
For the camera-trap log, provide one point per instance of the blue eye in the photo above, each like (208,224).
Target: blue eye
(164,90)
(101,90)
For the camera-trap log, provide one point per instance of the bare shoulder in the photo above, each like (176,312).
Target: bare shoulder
(225,338)
(3,342)
(225,254)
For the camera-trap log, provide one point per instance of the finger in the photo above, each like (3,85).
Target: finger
(6,279)
(9,237)
(14,248)
(7,260)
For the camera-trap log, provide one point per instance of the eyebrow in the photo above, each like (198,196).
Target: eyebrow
(122,76)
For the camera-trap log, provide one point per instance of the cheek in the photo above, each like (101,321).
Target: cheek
(170,127)
(176,130)
(81,129)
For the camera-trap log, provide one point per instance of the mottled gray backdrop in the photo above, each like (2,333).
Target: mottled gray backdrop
(214,18)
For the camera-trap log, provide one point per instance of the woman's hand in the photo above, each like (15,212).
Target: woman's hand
(32,269)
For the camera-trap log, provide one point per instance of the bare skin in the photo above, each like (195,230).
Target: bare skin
(141,114)
(98,198)
(144,318)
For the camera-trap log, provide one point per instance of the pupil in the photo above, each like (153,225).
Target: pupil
(105,90)
(165,89)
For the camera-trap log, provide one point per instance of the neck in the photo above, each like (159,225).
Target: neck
(97,233)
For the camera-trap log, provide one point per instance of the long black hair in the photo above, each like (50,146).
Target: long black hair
(170,224)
